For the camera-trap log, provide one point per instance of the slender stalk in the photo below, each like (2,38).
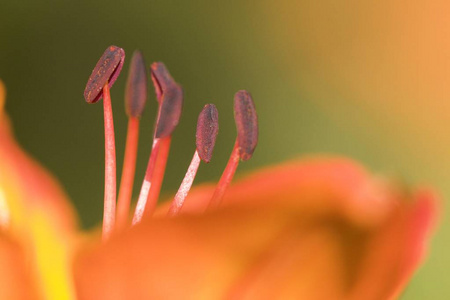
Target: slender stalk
(226,178)
(170,98)
(129,167)
(158,175)
(185,186)
(109,211)
(147,184)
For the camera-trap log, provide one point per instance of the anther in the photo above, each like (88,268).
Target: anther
(102,78)
(136,89)
(246,141)
(246,124)
(135,99)
(161,78)
(170,98)
(106,70)
(207,129)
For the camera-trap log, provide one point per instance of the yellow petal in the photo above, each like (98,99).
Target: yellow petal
(36,212)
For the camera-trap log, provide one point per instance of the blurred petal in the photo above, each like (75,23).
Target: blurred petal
(397,248)
(37,213)
(304,230)
(202,257)
(15,280)
(319,185)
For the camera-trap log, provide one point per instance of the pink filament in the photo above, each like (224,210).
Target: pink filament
(226,178)
(185,186)
(158,176)
(109,211)
(147,184)
(129,167)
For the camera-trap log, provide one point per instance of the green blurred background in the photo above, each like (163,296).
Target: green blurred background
(365,79)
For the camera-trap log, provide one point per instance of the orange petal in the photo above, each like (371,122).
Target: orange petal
(36,212)
(397,248)
(26,186)
(204,257)
(15,280)
(304,230)
(319,185)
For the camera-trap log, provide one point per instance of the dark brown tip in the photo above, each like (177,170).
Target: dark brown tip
(170,96)
(171,106)
(136,89)
(107,69)
(207,129)
(161,79)
(246,124)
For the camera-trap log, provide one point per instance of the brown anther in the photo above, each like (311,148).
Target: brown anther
(161,79)
(246,124)
(170,96)
(207,129)
(106,70)
(136,89)
(169,117)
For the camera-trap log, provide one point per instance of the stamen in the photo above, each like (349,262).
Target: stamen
(185,186)
(147,184)
(102,78)
(135,98)
(158,175)
(207,129)
(170,98)
(109,211)
(246,124)
(226,177)
(136,89)
(161,78)
(106,70)
(247,138)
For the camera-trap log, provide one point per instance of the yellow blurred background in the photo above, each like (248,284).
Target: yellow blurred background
(365,79)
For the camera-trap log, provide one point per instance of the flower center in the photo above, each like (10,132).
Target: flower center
(169,95)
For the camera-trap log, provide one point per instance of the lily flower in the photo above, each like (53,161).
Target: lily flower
(313,228)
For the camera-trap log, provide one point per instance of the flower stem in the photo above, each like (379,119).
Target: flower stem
(109,211)
(129,167)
